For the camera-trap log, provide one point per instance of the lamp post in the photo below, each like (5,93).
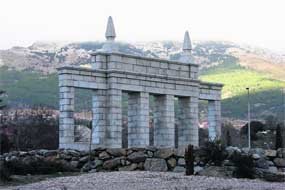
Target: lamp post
(248,117)
(283,105)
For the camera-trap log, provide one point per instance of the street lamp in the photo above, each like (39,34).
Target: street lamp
(283,105)
(248,117)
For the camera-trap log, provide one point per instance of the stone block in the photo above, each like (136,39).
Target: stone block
(155,164)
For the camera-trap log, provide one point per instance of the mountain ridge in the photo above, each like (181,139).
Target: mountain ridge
(45,57)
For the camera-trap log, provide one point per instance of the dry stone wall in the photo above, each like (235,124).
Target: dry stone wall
(269,164)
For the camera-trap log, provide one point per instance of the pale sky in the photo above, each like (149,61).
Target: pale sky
(254,22)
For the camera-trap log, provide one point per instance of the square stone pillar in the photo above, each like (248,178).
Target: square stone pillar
(164,119)
(99,107)
(138,119)
(114,119)
(214,119)
(188,128)
(66,119)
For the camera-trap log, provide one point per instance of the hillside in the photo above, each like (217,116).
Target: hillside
(265,93)
(28,74)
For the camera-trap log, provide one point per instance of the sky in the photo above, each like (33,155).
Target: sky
(258,23)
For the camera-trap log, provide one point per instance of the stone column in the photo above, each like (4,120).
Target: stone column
(138,119)
(214,119)
(99,118)
(66,119)
(164,119)
(114,119)
(188,129)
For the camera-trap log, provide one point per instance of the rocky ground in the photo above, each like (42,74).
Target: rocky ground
(147,180)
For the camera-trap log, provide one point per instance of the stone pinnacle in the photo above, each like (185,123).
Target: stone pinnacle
(110,33)
(187,42)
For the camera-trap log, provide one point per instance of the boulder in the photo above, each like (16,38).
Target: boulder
(245,150)
(97,163)
(270,153)
(171,162)
(272,169)
(104,156)
(140,166)
(256,156)
(274,176)
(65,167)
(117,152)
(164,153)
(281,170)
(22,153)
(136,157)
(259,151)
(181,162)
(231,149)
(124,161)
(279,162)
(179,169)
(197,169)
(150,154)
(151,148)
(180,152)
(87,167)
(93,165)
(74,164)
(112,164)
(84,159)
(73,153)
(155,164)
(131,167)
(42,151)
(270,163)
(281,152)
(262,163)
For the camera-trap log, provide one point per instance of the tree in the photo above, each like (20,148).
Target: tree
(189,160)
(4,141)
(2,105)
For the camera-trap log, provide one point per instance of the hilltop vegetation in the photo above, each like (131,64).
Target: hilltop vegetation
(28,88)
(265,93)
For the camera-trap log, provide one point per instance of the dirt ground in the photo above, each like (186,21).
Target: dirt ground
(146,180)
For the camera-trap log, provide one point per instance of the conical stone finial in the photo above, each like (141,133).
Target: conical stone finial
(187,42)
(110,33)
(186,56)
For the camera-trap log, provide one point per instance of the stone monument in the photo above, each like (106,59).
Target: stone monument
(113,73)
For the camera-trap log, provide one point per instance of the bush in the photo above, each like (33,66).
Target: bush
(215,152)
(4,143)
(25,128)
(4,171)
(244,165)
(255,126)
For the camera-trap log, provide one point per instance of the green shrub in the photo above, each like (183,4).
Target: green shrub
(189,160)
(215,152)
(244,165)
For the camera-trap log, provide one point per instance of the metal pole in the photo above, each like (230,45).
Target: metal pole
(283,105)
(248,116)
